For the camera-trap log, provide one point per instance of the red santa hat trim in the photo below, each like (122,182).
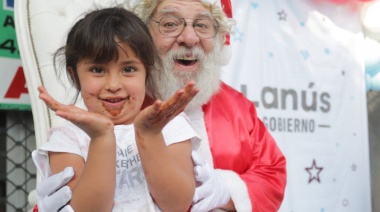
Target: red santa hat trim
(225,4)
(227,8)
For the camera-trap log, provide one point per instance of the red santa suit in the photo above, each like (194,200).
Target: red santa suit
(242,150)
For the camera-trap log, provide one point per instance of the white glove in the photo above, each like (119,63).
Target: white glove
(50,199)
(211,191)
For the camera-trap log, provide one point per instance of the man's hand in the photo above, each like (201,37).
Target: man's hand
(211,191)
(50,194)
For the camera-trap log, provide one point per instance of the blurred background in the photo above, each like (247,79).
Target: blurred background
(312,69)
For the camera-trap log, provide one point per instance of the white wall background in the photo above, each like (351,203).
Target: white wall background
(301,62)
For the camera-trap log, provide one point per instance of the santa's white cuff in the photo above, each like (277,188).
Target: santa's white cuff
(238,189)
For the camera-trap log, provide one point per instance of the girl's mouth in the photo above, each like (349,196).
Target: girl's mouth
(114,106)
(115,100)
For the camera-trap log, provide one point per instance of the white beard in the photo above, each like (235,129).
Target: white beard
(207,78)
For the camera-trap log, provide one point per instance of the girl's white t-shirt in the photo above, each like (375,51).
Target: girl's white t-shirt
(131,192)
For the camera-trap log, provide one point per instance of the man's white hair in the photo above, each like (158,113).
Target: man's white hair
(207,78)
(145,9)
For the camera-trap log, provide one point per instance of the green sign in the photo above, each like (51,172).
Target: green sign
(13,91)
(15,107)
(8,42)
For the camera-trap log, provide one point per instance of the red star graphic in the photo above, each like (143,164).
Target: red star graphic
(314,171)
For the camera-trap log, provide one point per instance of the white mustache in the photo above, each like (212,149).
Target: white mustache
(194,53)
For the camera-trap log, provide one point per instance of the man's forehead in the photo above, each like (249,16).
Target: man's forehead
(159,1)
(204,1)
(172,7)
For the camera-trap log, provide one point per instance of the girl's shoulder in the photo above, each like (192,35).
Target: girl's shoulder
(179,129)
(68,130)
(181,118)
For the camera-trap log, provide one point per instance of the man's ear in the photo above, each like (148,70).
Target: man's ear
(226,51)
(227,38)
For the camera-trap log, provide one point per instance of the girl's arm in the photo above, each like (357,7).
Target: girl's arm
(168,169)
(93,184)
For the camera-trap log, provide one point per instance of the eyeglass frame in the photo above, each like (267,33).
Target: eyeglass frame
(216,27)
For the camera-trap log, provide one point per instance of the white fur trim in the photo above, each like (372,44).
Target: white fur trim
(237,188)
(197,122)
(369,16)
(32,197)
(226,55)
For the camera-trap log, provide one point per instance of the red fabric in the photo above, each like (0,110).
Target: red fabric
(240,142)
(35,208)
(147,102)
(227,8)
(348,1)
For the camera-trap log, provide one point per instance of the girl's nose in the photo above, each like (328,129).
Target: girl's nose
(113,83)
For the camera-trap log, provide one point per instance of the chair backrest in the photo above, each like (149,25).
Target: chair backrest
(41,28)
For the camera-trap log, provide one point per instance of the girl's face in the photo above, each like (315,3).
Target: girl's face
(115,89)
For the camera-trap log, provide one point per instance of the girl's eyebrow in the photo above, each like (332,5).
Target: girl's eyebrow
(131,61)
(86,61)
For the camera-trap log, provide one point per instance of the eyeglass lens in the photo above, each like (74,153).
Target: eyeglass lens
(172,26)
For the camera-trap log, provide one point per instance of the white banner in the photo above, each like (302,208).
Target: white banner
(302,66)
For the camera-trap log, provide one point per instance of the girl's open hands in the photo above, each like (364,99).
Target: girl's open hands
(95,125)
(153,118)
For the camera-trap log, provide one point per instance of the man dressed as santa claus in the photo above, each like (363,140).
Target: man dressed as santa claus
(238,166)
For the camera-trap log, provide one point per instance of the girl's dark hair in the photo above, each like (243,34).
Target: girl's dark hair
(94,37)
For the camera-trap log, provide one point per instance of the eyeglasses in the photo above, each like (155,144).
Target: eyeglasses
(173,26)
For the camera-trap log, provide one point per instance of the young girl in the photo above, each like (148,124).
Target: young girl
(124,158)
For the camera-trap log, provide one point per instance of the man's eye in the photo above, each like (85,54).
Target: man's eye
(169,24)
(97,70)
(203,24)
